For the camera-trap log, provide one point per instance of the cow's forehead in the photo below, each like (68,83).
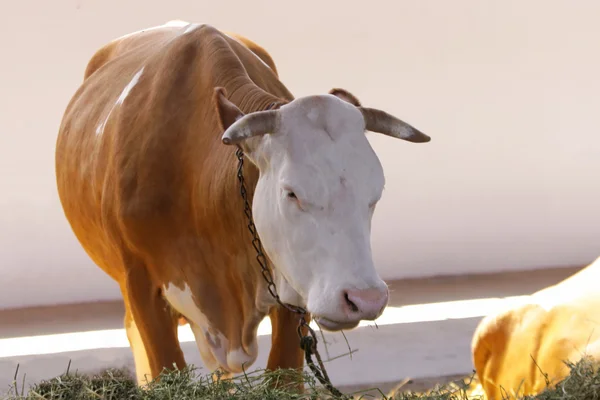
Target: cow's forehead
(324,140)
(337,118)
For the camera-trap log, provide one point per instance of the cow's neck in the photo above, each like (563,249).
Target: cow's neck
(229,291)
(257,100)
(250,98)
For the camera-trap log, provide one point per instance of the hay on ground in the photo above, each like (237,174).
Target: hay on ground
(583,383)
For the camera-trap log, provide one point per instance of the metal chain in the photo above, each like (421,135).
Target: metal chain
(308,343)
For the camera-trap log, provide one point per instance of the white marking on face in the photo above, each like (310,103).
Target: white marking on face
(120,99)
(208,339)
(313,204)
(143,372)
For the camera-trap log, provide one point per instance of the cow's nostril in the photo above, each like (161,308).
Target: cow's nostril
(365,303)
(352,306)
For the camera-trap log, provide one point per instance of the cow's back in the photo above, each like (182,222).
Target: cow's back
(139,162)
(525,346)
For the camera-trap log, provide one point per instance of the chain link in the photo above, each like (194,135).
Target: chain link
(308,343)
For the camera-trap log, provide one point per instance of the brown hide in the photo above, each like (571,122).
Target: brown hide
(513,349)
(151,192)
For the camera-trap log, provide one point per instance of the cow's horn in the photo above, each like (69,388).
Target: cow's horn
(252,125)
(382,122)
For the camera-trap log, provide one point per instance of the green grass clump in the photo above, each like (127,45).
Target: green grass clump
(583,383)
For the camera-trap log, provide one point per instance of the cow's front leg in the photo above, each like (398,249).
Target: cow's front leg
(156,324)
(285,343)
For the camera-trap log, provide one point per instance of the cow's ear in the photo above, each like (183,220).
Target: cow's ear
(227,112)
(345,95)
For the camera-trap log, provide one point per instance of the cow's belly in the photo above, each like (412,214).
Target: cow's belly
(84,215)
(216,350)
(81,185)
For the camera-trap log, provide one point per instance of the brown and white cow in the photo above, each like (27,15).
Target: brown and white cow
(515,348)
(146,173)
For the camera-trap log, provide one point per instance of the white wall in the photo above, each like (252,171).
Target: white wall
(509,92)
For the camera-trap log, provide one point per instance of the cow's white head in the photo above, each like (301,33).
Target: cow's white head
(319,183)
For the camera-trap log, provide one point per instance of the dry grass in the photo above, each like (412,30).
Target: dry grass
(582,384)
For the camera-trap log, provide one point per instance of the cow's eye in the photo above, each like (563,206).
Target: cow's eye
(291,196)
(288,193)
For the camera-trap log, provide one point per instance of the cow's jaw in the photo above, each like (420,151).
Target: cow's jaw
(319,237)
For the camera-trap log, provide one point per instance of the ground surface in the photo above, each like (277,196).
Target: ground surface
(427,352)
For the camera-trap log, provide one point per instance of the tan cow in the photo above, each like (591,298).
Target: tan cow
(147,176)
(513,349)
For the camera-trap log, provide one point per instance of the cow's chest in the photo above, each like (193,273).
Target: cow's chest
(216,349)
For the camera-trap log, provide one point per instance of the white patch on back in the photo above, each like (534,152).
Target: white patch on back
(120,99)
(143,372)
(191,28)
(213,345)
(130,86)
(100,127)
(176,23)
